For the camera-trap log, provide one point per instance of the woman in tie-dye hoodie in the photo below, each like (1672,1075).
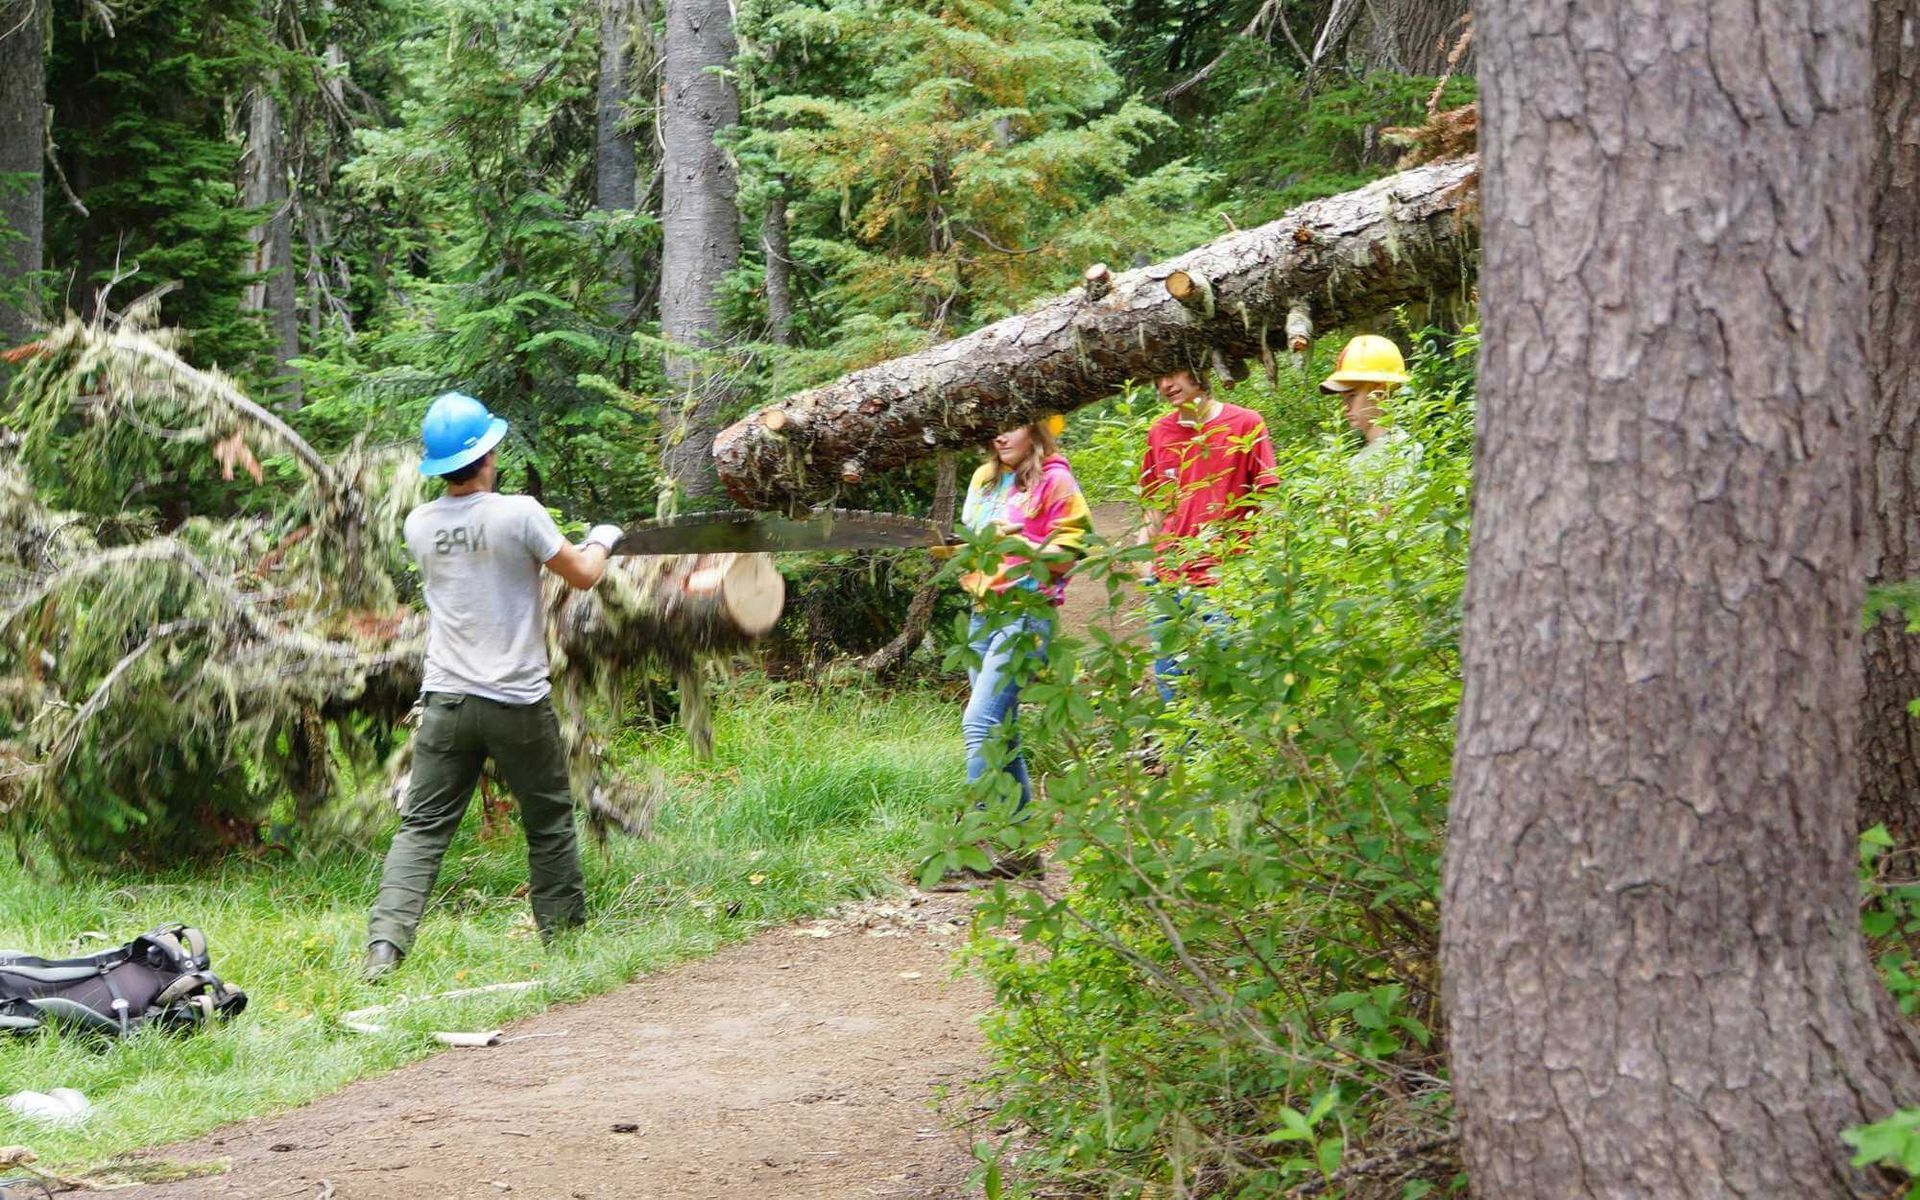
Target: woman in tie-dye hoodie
(1026,491)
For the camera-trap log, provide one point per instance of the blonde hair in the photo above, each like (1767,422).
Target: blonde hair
(1028,474)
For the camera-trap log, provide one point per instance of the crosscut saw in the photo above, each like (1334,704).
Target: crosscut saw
(742,531)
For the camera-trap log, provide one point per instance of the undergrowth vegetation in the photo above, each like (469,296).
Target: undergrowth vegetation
(811,798)
(1236,993)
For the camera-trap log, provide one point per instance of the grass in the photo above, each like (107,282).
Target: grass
(810,799)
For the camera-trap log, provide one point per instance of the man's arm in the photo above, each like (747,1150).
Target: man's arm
(584,565)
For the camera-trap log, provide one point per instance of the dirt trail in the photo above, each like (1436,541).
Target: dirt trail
(793,1066)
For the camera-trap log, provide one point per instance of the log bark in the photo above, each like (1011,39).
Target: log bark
(1651,946)
(23,26)
(1890,734)
(700,222)
(1357,254)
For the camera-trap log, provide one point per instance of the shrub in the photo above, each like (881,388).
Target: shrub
(1236,993)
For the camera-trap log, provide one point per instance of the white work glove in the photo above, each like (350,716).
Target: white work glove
(604,536)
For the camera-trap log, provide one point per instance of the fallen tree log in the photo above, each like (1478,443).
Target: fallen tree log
(151,673)
(1323,265)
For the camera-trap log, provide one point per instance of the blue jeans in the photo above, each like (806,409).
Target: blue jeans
(1000,640)
(1168,666)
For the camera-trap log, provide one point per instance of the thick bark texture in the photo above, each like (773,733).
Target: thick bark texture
(265,187)
(1414,37)
(700,221)
(1344,258)
(22,139)
(615,166)
(1651,942)
(1890,735)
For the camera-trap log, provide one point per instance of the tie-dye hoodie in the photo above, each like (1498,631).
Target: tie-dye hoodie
(1053,516)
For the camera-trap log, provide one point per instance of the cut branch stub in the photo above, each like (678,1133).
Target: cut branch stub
(1099,281)
(1400,240)
(1193,292)
(1299,334)
(1299,327)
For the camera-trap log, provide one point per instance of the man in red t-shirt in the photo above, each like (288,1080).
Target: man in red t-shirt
(1204,461)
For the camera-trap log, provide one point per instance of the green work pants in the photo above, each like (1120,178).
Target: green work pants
(456,736)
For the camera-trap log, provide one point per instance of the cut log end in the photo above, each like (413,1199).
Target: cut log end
(1099,281)
(1193,292)
(773,420)
(753,592)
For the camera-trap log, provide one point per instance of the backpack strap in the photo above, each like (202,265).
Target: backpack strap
(180,989)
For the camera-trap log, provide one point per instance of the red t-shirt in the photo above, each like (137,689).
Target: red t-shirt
(1202,477)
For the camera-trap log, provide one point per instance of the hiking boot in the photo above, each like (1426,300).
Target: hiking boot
(382,958)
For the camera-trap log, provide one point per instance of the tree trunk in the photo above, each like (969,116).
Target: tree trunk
(1413,37)
(265,188)
(615,169)
(774,248)
(1651,944)
(23,25)
(1890,735)
(1346,258)
(700,222)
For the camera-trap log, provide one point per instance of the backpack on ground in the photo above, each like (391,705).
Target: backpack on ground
(161,978)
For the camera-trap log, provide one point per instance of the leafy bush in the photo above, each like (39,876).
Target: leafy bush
(1236,994)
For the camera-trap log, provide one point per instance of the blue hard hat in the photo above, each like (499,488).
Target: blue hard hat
(458,430)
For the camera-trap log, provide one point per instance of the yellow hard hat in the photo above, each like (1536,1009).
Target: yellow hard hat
(1368,358)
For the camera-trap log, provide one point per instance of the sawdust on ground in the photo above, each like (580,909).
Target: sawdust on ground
(803,1064)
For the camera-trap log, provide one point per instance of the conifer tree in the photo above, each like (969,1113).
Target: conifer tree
(952,160)
(22,85)
(141,124)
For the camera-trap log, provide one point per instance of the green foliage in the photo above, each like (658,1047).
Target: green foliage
(1893,1142)
(169,681)
(483,183)
(953,160)
(141,122)
(1333,143)
(1237,991)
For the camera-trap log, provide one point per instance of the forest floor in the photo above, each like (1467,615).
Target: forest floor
(823,1059)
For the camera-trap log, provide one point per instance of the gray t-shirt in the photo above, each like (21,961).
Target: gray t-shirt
(480,557)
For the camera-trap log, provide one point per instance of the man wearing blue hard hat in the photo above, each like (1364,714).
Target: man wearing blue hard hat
(484,693)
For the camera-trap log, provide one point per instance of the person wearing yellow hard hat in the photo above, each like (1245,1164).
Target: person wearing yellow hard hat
(1369,367)
(1025,492)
